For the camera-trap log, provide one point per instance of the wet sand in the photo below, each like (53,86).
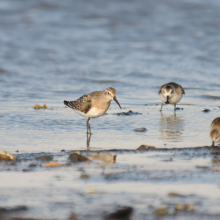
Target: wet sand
(56,50)
(146,180)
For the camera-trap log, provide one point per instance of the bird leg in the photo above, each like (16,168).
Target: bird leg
(88,127)
(161,107)
(88,140)
(174,107)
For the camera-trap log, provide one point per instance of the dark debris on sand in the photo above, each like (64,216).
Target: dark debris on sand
(121,213)
(78,158)
(129,113)
(206,110)
(178,108)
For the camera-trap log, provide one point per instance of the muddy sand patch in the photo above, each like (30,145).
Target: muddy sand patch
(170,183)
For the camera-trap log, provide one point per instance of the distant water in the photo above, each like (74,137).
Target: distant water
(56,50)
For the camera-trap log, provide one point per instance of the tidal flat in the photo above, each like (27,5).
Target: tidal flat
(155,183)
(60,50)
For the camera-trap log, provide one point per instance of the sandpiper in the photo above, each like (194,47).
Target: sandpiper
(94,104)
(215,131)
(171,93)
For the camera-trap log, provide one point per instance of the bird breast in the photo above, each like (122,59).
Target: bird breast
(98,108)
(173,100)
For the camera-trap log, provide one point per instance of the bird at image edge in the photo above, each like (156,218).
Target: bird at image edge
(215,131)
(94,104)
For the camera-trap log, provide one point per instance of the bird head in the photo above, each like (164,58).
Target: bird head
(110,94)
(168,92)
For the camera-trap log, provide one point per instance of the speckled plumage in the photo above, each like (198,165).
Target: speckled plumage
(171,93)
(215,131)
(178,88)
(215,124)
(94,104)
(83,103)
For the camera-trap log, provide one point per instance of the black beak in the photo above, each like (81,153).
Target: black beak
(213,144)
(116,101)
(167,102)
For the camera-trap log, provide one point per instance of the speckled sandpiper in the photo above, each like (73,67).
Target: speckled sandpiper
(171,93)
(94,104)
(215,131)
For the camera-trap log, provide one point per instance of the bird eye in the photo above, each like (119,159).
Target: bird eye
(108,93)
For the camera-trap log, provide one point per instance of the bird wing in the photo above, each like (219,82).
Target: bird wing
(82,104)
(159,91)
(175,85)
(215,123)
(161,88)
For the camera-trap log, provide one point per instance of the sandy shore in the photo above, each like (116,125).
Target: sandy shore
(167,183)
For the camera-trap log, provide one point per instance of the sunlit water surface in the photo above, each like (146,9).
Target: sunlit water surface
(51,51)
(56,50)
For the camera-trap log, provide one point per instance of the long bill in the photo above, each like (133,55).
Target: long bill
(117,102)
(167,102)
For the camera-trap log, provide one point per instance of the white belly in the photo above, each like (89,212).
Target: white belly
(175,99)
(93,112)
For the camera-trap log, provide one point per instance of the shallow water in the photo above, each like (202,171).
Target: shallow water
(51,51)
(56,50)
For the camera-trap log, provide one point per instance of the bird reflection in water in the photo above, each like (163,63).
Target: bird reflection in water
(89,135)
(171,127)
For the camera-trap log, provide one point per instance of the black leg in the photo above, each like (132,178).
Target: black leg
(174,107)
(213,144)
(88,140)
(90,129)
(161,107)
(88,126)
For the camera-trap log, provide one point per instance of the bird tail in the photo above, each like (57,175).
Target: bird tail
(66,103)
